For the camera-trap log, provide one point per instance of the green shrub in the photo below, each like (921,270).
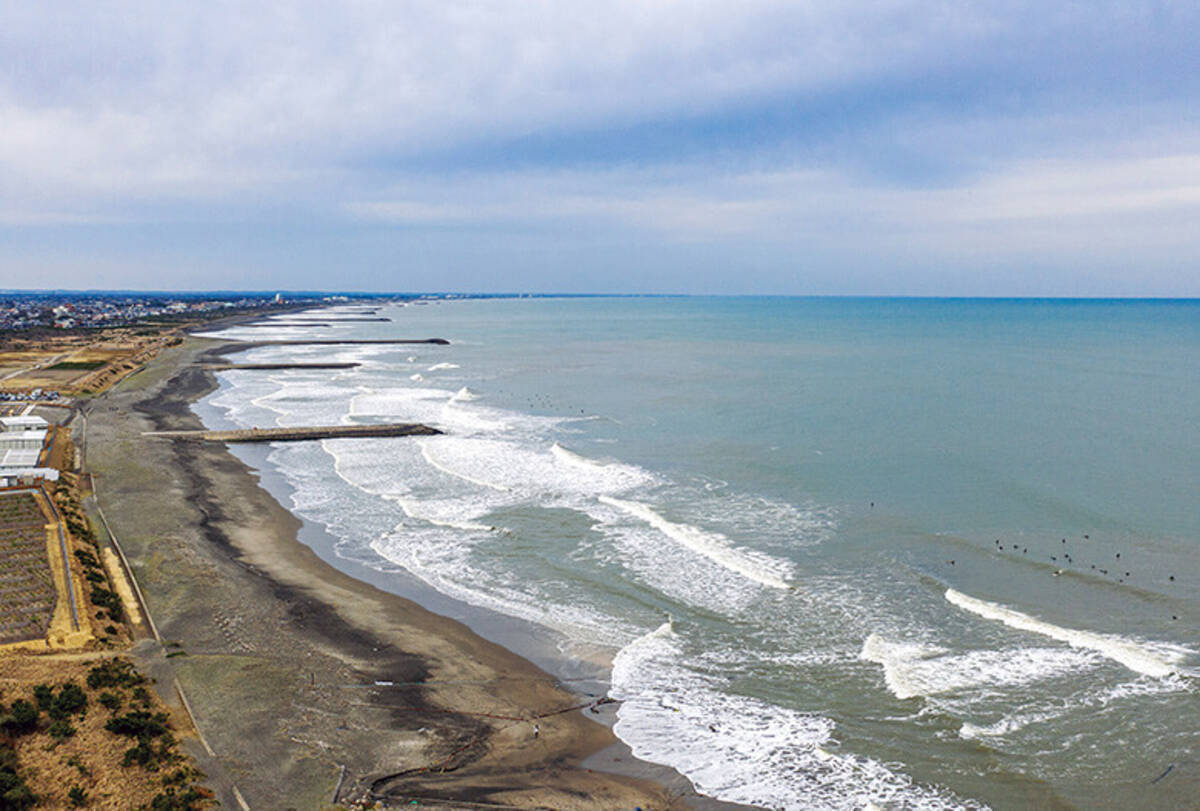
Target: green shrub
(188,800)
(70,700)
(107,600)
(138,724)
(61,729)
(43,694)
(87,559)
(22,718)
(19,796)
(114,673)
(78,796)
(110,700)
(142,754)
(14,793)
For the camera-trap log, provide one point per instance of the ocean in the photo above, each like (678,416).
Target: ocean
(827,553)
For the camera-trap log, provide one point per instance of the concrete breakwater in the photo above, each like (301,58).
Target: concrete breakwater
(272,367)
(300,434)
(356,320)
(324,322)
(342,342)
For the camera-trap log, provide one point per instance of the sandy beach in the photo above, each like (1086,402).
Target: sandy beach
(306,682)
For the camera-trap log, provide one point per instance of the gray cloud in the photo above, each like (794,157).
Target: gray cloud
(864,134)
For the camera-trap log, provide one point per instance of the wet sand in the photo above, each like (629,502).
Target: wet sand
(282,655)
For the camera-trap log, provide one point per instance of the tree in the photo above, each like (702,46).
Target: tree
(22,718)
(43,694)
(70,700)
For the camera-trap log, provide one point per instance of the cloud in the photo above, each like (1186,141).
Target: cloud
(893,125)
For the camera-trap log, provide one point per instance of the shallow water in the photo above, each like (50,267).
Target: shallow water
(750,508)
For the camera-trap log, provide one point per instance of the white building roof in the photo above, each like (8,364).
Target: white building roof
(10,438)
(25,422)
(18,458)
(48,473)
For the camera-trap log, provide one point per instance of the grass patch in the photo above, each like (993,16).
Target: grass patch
(83,365)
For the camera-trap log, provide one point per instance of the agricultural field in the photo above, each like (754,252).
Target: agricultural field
(77,363)
(27,591)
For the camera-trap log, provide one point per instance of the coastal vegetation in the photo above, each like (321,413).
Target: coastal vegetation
(80,726)
(98,738)
(106,604)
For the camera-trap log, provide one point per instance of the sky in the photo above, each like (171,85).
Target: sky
(808,147)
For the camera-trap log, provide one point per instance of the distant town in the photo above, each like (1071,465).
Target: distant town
(87,310)
(68,310)
(58,345)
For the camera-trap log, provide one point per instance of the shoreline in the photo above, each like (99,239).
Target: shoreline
(282,651)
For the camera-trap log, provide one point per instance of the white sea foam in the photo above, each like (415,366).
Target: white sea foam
(914,669)
(424,511)
(299,401)
(572,458)
(741,749)
(773,524)
(1153,659)
(416,377)
(670,569)
(440,366)
(1005,726)
(427,453)
(409,403)
(443,558)
(464,395)
(715,547)
(590,477)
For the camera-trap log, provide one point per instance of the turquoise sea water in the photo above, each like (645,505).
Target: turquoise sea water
(835,552)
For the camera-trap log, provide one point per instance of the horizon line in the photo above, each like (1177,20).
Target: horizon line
(533,294)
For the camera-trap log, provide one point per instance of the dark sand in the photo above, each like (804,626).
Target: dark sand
(282,651)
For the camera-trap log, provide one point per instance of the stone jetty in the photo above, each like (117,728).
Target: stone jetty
(300,434)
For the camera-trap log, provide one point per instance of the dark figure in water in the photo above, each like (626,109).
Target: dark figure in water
(1171,578)
(1118,556)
